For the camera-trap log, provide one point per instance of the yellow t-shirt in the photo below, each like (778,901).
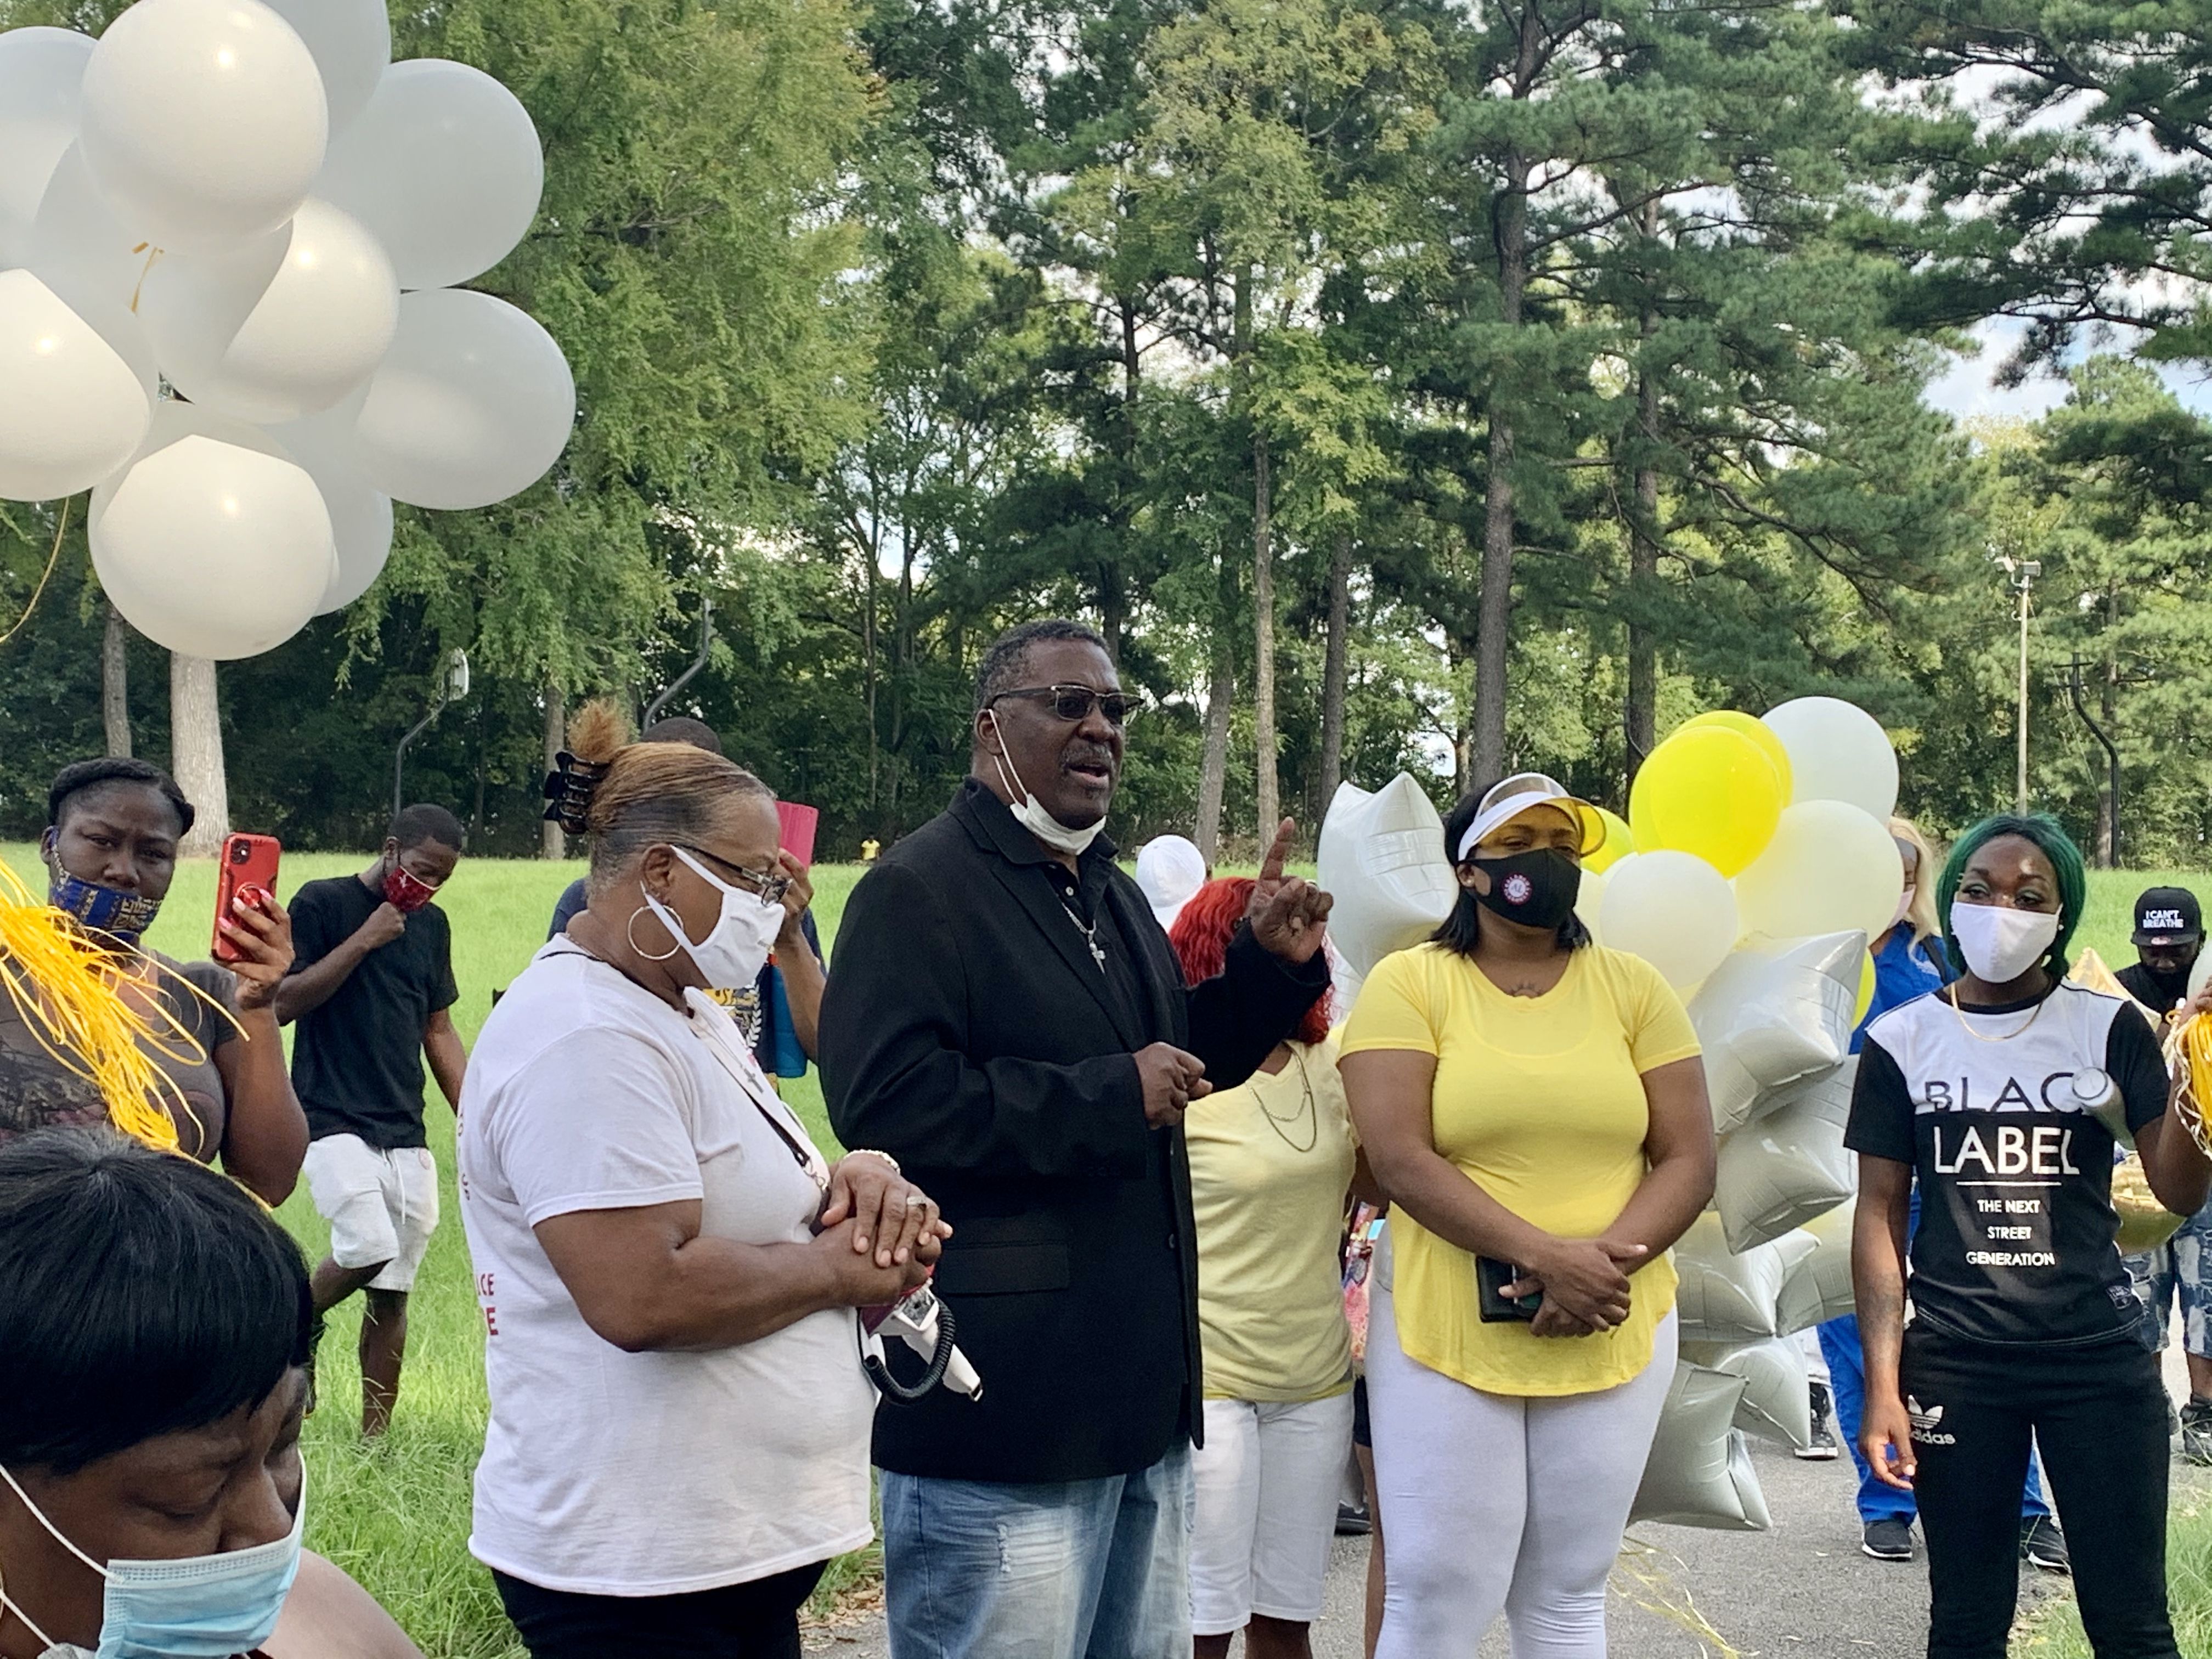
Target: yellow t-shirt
(1539,1100)
(1270,1163)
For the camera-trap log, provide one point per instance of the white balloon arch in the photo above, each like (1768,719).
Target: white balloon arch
(247,200)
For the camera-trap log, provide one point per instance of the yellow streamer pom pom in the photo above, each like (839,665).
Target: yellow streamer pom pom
(67,986)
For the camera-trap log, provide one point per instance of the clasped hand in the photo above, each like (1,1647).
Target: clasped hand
(1584,1282)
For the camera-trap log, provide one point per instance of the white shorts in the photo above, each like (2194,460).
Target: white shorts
(1264,1488)
(382,1206)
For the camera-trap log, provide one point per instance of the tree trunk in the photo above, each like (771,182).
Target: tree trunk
(1213,767)
(1335,670)
(1268,790)
(115,683)
(1641,725)
(1494,639)
(554,844)
(2109,849)
(196,752)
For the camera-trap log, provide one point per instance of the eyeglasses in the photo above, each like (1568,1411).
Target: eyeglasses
(1073,703)
(770,884)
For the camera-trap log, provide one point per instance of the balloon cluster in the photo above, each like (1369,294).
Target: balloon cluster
(249,201)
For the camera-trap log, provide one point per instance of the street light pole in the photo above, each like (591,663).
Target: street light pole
(2024,574)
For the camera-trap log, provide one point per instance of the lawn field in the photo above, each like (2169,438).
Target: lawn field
(397,1515)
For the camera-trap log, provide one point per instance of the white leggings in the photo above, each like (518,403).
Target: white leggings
(1502,1503)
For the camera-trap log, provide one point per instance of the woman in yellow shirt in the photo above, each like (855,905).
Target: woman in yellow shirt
(1535,1108)
(1270,1163)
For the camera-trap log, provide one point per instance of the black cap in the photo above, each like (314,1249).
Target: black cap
(2168,916)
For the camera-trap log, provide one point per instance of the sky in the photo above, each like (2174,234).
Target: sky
(1970,388)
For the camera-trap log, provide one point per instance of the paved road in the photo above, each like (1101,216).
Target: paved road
(1803,1591)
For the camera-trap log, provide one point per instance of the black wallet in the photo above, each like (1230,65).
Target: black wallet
(1491,1279)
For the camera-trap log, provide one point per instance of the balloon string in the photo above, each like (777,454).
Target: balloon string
(153,254)
(45,575)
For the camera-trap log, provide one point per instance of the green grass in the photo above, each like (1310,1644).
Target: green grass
(2056,1632)
(397,1515)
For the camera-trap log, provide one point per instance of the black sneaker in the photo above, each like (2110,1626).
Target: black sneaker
(1888,1540)
(2196,1431)
(2042,1545)
(1352,1521)
(1822,1447)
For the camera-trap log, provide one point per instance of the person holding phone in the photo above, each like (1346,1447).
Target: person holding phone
(1533,1107)
(1988,1096)
(110,847)
(373,990)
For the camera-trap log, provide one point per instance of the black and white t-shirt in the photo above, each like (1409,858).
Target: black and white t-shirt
(2016,1240)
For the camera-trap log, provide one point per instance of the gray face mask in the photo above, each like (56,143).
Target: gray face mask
(1032,816)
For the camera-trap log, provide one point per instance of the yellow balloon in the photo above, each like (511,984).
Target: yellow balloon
(1620,841)
(1710,792)
(1734,719)
(1866,990)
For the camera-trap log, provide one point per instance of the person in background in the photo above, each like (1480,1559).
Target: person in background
(371,990)
(1170,869)
(110,847)
(1909,961)
(1007,1017)
(156,1330)
(2025,1329)
(1535,1108)
(1271,1164)
(781,1012)
(2168,936)
(666,1266)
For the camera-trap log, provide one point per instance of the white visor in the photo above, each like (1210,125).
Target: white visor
(1511,798)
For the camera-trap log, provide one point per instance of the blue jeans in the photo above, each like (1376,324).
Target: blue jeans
(1878,1501)
(2180,1270)
(1079,1570)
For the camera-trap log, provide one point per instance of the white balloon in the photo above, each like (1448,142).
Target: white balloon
(1830,869)
(1382,856)
(1589,903)
(204,120)
(361,514)
(71,411)
(280,328)
(1838,752)
(41,85)
(1674,910)
(77,249)
(444,167)
(474,403)
(213,542)
(351,41)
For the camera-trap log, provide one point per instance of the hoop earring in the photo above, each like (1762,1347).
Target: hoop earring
(629,936)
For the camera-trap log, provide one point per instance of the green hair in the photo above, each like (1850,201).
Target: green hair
(2054,844)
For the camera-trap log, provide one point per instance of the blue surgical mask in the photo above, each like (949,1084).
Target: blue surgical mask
(107,909)
(198,1606)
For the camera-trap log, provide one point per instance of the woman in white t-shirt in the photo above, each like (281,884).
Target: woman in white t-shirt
(667,1267)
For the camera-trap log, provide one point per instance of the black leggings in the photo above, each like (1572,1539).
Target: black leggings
(2098,1416)
(755,1620)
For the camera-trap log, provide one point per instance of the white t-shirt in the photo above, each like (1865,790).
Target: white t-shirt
(614,1474)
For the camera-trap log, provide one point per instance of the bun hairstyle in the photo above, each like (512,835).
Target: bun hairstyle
(629,796)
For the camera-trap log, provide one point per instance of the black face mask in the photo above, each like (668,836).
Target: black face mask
(1537,888)
(2173,986)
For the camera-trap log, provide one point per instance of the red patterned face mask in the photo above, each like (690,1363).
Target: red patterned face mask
(405,891)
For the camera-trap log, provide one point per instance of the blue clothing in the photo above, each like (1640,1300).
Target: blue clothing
(1055,1569)
(1904,968)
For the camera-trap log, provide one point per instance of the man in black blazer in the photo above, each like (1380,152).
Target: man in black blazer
(1006,1018)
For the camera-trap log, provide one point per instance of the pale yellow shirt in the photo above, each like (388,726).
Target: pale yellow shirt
(1270,1165)
(1540,1101)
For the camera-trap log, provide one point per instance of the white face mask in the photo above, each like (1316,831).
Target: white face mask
(1999,943)
(1031,815)
(737,946)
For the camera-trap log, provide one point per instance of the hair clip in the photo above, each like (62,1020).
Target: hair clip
(568,788)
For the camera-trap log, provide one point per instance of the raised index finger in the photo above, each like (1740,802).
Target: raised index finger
(1286,835)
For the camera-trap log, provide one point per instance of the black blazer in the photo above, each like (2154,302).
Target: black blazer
(967,1032)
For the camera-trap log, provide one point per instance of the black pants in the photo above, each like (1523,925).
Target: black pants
(757,1620)
(2098,1414)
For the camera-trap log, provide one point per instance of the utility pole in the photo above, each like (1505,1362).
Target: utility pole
(2023,572)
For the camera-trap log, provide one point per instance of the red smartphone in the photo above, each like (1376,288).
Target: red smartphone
(248,871)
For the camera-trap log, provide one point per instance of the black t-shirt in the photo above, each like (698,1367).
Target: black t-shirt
(357,1060)
(2017,1233)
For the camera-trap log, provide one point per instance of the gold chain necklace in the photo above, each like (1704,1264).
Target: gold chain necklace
(1308,1107)
(1952,997)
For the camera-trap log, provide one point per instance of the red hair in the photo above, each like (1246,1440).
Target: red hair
(1201,935)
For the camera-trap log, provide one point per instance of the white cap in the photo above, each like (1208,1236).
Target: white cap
(1509,797)
(1169,870)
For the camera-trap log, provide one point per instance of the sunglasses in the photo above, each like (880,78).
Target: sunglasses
(1073,703)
